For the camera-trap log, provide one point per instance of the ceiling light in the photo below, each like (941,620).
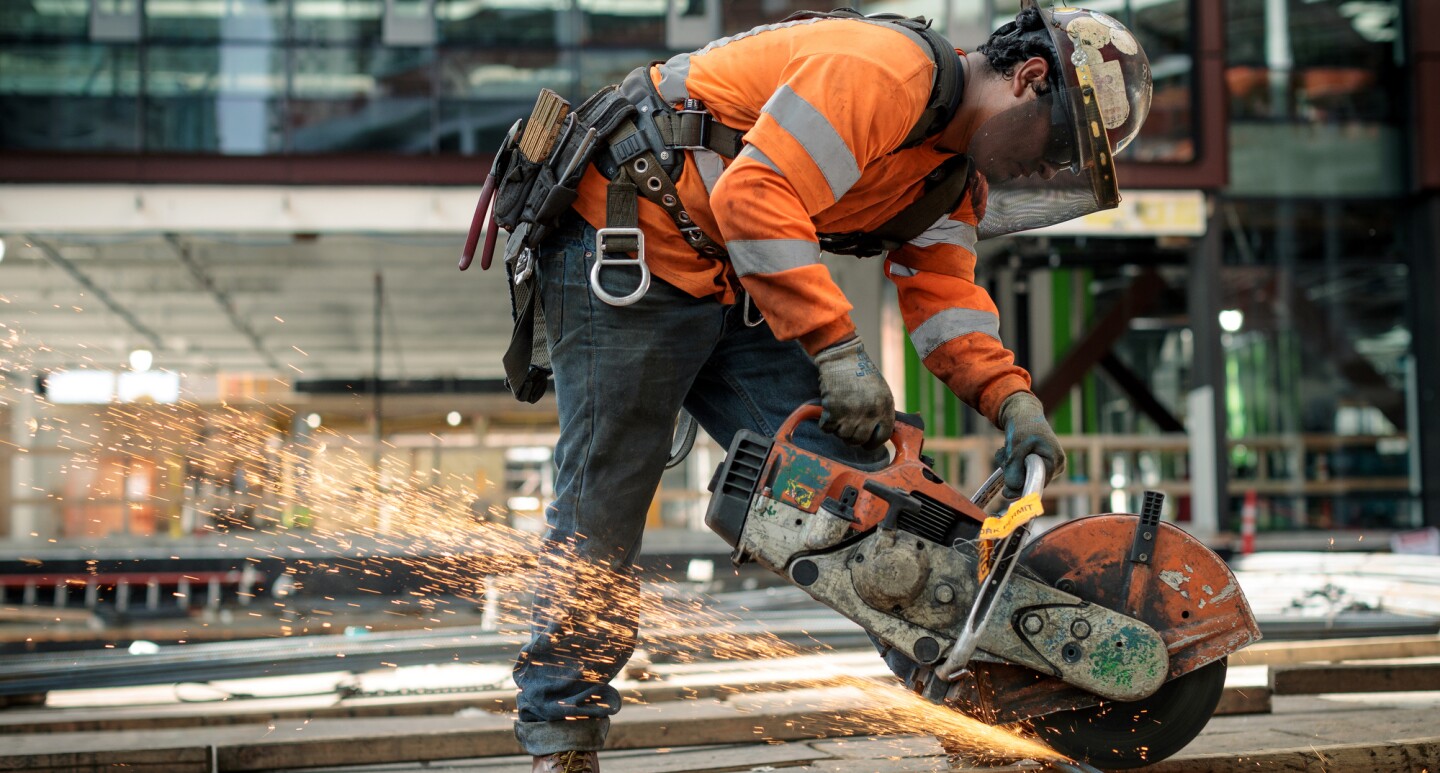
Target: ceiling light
(453,418)
(141,360)
(312,421)
(1231,320)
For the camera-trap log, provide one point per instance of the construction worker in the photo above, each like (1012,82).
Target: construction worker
(820,131)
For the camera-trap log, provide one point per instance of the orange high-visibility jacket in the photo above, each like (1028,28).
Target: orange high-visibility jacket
(824,104)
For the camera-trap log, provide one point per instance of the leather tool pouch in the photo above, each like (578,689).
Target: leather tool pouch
(514,188)
(533,192)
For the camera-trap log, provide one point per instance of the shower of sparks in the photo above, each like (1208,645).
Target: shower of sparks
(321,489)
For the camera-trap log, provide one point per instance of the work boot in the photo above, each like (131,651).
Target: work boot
(566,762)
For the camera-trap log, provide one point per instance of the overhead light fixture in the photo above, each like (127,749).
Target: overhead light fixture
(1231,320)
(453,418)
(2,249)
(141,360)
(312,421)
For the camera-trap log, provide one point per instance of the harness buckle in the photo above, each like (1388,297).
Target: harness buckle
(524,265)
(601,262)
(702,117)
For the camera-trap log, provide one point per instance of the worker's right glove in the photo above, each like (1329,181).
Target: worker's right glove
(1026,432)
(858,406)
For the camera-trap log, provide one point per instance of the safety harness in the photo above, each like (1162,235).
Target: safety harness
(638,140)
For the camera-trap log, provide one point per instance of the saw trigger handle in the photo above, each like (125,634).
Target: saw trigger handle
(908,436)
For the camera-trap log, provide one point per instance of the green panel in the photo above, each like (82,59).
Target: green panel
(1234,397)
(930,397)
(914,372)
(1261,363)
(1090,392)
(1062,418)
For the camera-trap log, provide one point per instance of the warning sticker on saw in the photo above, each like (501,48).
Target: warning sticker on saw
(1020,512)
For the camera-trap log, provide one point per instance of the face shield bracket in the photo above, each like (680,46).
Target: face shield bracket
(1101,160)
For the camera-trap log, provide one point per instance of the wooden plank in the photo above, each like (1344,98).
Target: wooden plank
(1354,677)
(1244,700)
(728,758)
(252,711)
(1235,700)
(669,725)
(1336,650)
(1400,757)
(193,759)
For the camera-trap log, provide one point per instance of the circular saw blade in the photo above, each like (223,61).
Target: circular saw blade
(1119,735)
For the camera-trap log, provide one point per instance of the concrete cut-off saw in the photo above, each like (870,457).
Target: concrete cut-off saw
(1108,634)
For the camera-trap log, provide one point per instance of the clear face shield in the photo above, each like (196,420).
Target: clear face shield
(1047,160)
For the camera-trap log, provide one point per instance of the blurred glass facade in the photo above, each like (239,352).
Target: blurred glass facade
(265,77)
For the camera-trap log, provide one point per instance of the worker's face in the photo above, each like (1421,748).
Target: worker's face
(1031,136)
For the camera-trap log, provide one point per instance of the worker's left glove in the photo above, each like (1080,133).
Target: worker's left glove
(1026,432)
(857,403)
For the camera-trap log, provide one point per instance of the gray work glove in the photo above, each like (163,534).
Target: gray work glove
(1026,432)
(858,405)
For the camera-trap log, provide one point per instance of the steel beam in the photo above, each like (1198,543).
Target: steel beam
(206,282)
(84,280)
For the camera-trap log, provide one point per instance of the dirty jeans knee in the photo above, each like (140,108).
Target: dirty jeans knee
(620,376)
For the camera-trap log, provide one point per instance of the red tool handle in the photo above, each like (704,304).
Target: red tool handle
(907,438)
(487,193)
(491,231)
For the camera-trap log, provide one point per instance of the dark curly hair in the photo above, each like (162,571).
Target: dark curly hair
(1019,40)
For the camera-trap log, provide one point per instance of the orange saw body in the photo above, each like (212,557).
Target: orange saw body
(1101,611)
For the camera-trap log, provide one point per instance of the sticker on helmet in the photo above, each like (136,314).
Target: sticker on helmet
(1088,32)
(1110,88)
(1125,42)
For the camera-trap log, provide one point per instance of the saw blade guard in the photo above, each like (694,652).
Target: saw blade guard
(1177,585)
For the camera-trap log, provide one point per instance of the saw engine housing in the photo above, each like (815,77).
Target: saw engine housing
(1105,607)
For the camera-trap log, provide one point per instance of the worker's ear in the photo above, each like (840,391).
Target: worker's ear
(1029,76)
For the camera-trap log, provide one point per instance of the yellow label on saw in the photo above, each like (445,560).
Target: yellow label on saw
(1020,512)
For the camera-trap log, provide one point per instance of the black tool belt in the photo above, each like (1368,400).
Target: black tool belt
(638,141)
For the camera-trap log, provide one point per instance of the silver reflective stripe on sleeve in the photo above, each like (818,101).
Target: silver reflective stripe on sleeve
(947,231)
(769,256)
(814,132)
(951,324)
(675,71)
(898,270)
(751,151)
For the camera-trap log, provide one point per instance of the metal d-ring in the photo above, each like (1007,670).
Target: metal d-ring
(601,261)
(745,314)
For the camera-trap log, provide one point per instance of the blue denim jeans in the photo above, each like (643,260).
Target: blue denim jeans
(621,376)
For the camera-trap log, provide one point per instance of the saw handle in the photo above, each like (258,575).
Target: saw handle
(908,436)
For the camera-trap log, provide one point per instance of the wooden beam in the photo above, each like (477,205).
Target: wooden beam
(1336,650)
(1354,677)
(295,742)
(1401,757)
(1244,700)
(192,759)
(260,710)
